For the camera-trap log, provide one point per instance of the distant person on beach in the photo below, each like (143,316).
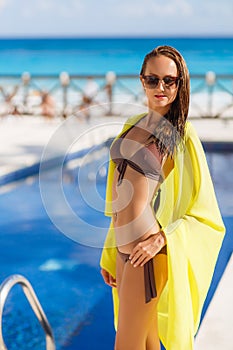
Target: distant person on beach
(47,105)
(166,229)
(90,91)
(11,107)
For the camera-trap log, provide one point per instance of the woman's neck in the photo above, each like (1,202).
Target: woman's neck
(153,117)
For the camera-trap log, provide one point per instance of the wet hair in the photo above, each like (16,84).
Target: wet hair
(172,126)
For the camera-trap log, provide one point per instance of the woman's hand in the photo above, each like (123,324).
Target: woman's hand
(108,278)
(147,249)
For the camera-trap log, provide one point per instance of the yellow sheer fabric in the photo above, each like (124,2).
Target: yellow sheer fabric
(190,217)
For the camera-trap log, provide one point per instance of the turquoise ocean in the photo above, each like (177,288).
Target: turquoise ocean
(99,55)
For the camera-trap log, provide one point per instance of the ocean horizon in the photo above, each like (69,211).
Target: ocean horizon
(97,55)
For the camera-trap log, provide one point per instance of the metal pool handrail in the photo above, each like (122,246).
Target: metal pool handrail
(5,288)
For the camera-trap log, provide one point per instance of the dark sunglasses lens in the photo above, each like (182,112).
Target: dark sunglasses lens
(151,81)
(169,81)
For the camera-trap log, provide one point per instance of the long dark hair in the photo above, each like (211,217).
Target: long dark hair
(172,126)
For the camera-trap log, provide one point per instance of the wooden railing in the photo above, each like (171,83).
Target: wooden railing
(63,95)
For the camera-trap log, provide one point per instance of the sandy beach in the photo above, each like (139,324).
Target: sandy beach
(23,139)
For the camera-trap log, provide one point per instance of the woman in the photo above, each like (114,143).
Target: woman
(166,229)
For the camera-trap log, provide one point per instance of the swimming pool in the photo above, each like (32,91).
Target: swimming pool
(65,272)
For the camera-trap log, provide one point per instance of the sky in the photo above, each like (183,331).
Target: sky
(104,18)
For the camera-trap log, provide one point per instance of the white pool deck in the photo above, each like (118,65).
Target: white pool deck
(216,331)
(23,140)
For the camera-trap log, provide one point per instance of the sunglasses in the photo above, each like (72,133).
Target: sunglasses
(152,81)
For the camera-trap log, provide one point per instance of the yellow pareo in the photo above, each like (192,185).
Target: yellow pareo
(190,217)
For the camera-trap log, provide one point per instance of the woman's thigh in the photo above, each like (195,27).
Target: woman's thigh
(135,316)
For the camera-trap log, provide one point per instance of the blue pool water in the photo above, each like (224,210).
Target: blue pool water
(65,273)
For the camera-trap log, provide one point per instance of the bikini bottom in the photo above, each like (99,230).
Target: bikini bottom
(149,277)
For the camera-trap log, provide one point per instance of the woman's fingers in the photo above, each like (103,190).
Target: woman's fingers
(145,261)
(136,253)
(142,257)
(135,250)
(108,278)
(141,260)
(137,259)
(112,281)
(146,250)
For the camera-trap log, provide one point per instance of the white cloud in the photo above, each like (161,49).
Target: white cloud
(115,17)
(45,5)
(218,10)
(185,7)
(157,8)
(51,9)
(60,8)
(3,4)
(172,7)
